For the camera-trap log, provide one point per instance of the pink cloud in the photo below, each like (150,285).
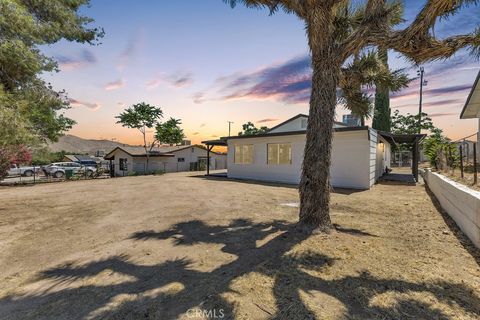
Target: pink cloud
(89,105)
(114,85)
(131,49)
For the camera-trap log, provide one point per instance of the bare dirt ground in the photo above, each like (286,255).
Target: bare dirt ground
(174,246)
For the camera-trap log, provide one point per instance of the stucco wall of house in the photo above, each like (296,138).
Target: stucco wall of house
(350,160)
(380,154)
(193,154)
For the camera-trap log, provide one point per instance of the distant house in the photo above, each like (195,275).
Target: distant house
(471,110)
(127,160)
(360,155)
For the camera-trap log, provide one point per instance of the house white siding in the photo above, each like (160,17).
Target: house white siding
(194,154)
(351,161)
(380,153)
(189,155)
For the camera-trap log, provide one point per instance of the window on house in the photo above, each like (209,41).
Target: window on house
(304,123)
(279,153)
(122,164)
(181,159)
(244,154)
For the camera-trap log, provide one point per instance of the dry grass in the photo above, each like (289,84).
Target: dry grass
(157,247)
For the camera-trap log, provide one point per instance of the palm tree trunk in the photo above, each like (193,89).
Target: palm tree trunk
(315,181)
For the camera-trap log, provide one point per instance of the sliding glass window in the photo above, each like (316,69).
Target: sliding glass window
(279,153)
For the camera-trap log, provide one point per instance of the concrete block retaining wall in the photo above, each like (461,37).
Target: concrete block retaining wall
(459,201)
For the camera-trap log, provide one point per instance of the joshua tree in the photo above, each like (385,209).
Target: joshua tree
(331,45)
(365,71)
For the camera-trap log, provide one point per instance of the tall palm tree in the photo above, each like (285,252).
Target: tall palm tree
(331,45)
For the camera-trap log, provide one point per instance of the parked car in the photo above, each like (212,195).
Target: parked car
(26,171)
(58,169)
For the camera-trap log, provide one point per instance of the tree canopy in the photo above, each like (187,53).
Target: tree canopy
(408,123)
(31,111)
(250,129)
(169,132)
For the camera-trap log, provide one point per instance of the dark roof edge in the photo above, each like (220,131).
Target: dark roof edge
(477,79)
(290,133)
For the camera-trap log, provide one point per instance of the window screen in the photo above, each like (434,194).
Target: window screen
(244,154)
(279,153)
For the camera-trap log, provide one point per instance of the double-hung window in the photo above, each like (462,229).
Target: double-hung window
(279,153)
(243,154)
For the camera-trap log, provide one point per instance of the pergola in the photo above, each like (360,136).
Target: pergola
(411,139)
(210,144)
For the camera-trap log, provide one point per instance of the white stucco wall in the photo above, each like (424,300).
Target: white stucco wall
(168,164)
(350,160)
(193,154)
(380,153)
(459,201)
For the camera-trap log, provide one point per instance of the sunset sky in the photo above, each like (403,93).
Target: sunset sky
(207,64)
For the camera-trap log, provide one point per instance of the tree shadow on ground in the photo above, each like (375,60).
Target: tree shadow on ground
(457,232)
(172,288)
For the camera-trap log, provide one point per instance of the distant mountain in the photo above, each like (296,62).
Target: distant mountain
(74,144)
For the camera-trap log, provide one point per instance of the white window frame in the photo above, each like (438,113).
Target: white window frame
(242,160)
(277,162)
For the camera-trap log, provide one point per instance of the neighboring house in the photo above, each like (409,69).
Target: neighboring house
(360,155)
(127,160)
(471,110)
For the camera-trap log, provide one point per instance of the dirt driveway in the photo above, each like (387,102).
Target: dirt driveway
(177,246)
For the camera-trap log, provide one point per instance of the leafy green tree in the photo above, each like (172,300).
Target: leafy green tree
(169,132)
(408,124)
(250,129)
(440,150)
(329,25)
(141,116)
(31,112)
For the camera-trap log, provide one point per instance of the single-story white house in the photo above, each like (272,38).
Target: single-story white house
(471,109)
(128,160)
(360,155)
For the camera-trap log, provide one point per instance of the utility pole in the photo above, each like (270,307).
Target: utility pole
(423,83)
(229,127)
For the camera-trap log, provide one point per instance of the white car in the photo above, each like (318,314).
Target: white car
(58,169)
(15,170)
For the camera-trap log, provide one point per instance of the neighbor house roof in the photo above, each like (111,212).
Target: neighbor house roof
(471,109)
(139,152)
(164,151)
(289,133)
(300,115)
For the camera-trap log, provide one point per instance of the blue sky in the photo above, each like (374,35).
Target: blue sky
(206,63)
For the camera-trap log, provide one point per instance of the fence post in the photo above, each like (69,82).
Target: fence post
(461,161)
(475,178)
(34,172)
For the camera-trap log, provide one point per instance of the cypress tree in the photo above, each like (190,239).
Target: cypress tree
(381,116)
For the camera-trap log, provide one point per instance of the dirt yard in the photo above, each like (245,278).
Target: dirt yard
(178,246)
